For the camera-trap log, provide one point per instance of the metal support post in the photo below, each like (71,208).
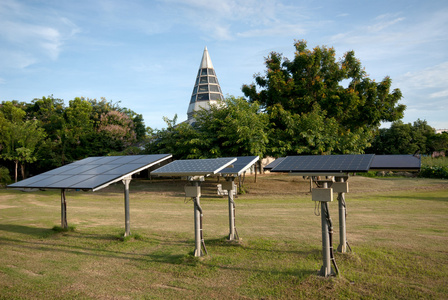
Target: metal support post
(198,237)
(63,210)
(126,182)
(342,226)
(233,235)
(343,245)
(326,269)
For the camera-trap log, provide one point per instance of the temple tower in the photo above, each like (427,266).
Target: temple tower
(206,91)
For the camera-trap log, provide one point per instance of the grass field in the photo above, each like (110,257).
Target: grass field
(396,227)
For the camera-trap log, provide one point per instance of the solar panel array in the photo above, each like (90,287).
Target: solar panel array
(241,164)
(325,163)
(92,173)
(194,167)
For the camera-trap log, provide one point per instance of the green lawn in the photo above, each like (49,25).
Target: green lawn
(396,227)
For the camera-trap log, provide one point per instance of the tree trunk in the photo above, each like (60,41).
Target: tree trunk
(16,162)
(22,169)
(255,168)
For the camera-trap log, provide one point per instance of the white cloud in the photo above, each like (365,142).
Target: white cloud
(384,21)
(228,20)
(441,94)
(29,35)
(432,77)
(275,30)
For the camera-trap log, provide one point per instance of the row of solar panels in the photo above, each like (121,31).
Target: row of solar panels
(94,173)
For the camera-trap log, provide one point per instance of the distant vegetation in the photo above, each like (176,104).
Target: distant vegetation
(45,133)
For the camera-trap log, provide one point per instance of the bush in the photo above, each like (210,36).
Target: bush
(4,176)
(434,172)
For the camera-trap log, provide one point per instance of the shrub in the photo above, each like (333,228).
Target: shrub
(434,172)
(4,176)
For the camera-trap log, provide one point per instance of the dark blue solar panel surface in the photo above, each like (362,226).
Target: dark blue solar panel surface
(194,167)
(396,162)
(325,163)
(274,163)
(92,172)
(241,164)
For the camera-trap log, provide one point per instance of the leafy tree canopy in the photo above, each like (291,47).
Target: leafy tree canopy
(235,128)
(319,105)
(402,138)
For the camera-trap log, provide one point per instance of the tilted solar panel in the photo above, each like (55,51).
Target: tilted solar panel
(396,162)
(274,163)
(325,163)
(241,164)
(92,173)
(194,167)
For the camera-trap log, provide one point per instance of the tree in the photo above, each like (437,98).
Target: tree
(49,111)
(116,130)
(20,139)
(237,128)
(345,105)
(403,138)
(181,140)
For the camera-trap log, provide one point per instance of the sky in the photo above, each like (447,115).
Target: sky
(144,55)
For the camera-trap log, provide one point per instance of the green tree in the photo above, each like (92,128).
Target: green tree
(49,111)
(346,105)
(77,131)
(181,140)
(19,139)
(438,142)
(236,128)
(403,138)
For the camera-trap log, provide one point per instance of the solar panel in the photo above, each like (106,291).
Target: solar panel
(241,164)
(194,167)
(92,173)
(274,163)
(325,163)
(396,162)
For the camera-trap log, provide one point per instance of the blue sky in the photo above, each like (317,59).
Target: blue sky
(146,54)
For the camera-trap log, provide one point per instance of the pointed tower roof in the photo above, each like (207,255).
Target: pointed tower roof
(206,91)
(206,61)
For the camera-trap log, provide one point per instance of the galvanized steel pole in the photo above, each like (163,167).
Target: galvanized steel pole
(342,226)
(232,234)
(126,182)
(197,225)
(326,268)
(63,210)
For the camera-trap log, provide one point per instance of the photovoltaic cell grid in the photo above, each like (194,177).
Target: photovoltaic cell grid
(92,173)
(396,162)
(194,167)
(325,163)
(241,164)
(274,163)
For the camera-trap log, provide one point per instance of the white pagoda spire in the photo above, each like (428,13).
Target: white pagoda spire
(206,91)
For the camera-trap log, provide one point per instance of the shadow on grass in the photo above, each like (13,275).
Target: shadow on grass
(416,197)
(32,231)
(154,253)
